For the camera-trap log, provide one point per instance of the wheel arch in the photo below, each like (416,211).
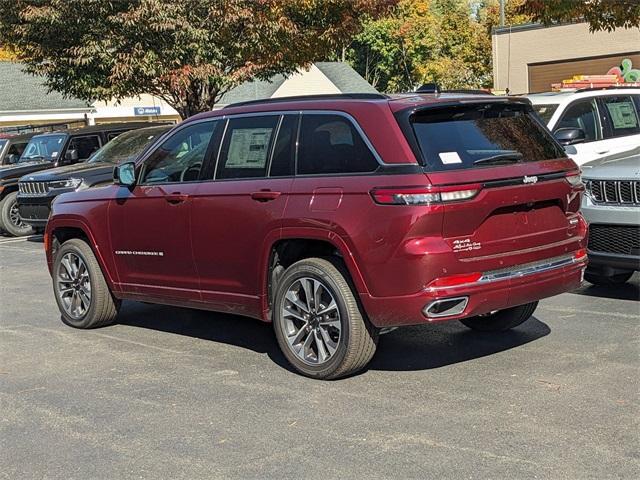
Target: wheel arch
(59,232)
(293,246)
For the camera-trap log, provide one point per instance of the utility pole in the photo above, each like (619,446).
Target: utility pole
(502,2)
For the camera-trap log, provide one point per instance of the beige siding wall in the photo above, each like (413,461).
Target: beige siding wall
(512,53)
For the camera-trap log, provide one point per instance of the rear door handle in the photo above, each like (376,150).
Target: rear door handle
(176,198)
(265,195)
(602,152)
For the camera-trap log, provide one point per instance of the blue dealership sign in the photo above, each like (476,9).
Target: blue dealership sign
(138,111)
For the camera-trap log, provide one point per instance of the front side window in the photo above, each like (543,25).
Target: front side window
(85,146)
(43,148)
(246,147)
(180,157)
(331,144)
(479,135)
(582,114)
(16,149)
(622,115)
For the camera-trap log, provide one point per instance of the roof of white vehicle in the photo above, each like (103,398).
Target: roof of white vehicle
(560,97)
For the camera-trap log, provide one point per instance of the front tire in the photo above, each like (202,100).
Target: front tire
(318,322)
(10,219)
(82,294)
(607,280)
(501,320)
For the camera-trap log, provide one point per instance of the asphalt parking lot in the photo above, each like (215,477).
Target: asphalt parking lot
(173,393)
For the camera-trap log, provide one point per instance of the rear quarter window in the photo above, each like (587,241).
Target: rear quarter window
(479,135)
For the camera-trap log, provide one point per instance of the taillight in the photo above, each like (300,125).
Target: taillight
(455,280)
(423,195)
(574,179)
(580,255)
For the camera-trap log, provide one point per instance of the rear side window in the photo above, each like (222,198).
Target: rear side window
(284,151)
(622,116)
(246,147)
(331,144)
(470,136)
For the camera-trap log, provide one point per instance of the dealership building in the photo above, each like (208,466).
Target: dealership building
(529,58)
(25,103)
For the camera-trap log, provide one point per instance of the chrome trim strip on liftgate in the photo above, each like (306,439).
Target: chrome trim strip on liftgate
(518,271)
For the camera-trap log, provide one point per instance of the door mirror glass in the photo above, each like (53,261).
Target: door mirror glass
(125,174)
(569,136)
(13,158)
(71,156)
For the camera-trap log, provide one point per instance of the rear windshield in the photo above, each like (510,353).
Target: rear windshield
(545,111)
(480,135)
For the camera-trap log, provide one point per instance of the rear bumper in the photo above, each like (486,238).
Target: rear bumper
(35,211)
(482,297)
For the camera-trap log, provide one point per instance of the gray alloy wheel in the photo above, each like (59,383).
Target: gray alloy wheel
(80,289)
(11,220)
(74,286)
(311,321)
(318,322)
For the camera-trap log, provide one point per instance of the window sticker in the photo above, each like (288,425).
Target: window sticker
(450,157)
(622,115)
(248,148)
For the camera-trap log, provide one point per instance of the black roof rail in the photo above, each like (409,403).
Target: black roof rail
(309,98)
(609,87)
(470,91)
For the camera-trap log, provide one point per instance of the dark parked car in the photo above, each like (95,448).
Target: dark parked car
(50,150)
(12,147)
(333,217)
(36,191)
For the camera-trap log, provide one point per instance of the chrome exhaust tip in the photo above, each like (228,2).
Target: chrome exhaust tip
(446,307)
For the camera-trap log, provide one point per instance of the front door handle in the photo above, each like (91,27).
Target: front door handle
(602,152)
(265,195)
(176,198)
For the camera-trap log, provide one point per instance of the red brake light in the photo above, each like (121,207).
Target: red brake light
(580,255)
(455,280)
(423,195)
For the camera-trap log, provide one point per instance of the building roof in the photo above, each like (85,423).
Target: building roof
(20,91)
(343,78)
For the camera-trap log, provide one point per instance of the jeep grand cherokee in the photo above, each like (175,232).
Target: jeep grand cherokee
(333,217)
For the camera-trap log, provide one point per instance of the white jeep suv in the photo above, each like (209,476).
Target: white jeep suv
(592,123)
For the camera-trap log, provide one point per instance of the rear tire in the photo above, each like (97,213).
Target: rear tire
(82,294)
(10,220)
(323,335)
(501,320)
(607,280)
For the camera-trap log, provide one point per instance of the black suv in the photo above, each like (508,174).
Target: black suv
(37,191)
(12,147)
(49,150)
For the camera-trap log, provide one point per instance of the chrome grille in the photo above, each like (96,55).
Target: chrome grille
(33,189)
(614,192)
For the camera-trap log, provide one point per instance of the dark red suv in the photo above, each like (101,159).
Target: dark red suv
(333,217)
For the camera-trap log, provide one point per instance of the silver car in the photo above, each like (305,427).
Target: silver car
(612,208)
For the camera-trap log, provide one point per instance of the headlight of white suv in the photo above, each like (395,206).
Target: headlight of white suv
(73,183)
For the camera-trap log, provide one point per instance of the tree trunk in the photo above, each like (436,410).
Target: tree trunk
(197,98)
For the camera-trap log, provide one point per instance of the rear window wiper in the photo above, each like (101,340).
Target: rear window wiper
(511,157)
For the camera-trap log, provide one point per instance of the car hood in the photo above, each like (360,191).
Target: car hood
(623,166)
(79,170)
(20,169)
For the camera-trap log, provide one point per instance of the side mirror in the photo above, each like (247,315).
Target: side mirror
(71,155)
(125,174)
(569,136)
(13,158)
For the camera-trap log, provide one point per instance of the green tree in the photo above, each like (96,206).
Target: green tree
(600,14)
(187,52)
(424,41)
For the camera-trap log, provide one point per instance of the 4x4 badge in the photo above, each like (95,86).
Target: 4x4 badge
(532,179)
